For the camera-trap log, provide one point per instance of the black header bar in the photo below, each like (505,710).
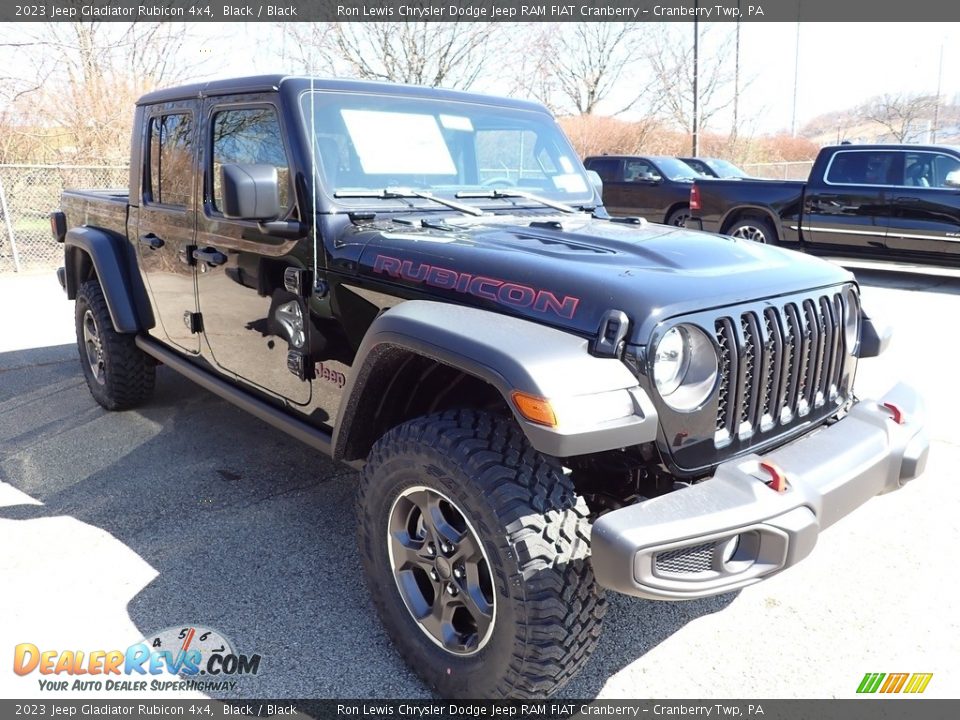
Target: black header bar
(853,11)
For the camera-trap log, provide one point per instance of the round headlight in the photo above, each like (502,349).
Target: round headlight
(851,321)
(671,360)
(685,367)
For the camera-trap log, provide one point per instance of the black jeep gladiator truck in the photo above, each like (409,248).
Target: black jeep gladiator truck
(543,402)
(863,203)
(654,187)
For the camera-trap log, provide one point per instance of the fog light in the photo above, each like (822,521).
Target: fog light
(730,548)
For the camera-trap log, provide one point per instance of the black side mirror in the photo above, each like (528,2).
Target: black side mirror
(250,192)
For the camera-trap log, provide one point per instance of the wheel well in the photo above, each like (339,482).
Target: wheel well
(79,270)
(744,214)
(404,385)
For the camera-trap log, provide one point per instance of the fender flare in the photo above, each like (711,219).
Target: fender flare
(106,253)
(510,354)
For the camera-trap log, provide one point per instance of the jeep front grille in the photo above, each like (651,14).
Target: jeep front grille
(777,364)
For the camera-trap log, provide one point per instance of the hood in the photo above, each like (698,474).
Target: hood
(569,270)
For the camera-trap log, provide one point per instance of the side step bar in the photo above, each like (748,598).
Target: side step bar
(312,436)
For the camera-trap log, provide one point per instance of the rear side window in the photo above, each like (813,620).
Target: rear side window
(171,160)
(607,168)
(865,167)
(249,136)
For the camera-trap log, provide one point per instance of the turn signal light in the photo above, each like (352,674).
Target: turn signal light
(535,409)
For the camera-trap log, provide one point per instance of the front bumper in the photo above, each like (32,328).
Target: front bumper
(734,530)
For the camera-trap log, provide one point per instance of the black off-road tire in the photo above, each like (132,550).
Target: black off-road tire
(125,376)
(533,528)
(756,229)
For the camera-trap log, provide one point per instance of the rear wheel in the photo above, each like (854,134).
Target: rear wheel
(120,375)
(755,229)
(679,217)
(476,552)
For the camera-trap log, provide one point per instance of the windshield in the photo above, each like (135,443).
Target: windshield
(725,169)
(675,169)
(367,142)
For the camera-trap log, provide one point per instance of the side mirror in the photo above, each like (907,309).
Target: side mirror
(250,192)
(952,179)
(596,181)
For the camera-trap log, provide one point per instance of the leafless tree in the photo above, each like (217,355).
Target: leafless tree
(81,79)
(899,113)
(436,54)
(671,61)
(574,67)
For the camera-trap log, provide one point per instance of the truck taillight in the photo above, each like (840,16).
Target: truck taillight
(58,226)
(694,197)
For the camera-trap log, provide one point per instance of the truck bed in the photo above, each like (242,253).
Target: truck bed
(100,208)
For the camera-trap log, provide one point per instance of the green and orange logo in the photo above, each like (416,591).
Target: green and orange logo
(894,683)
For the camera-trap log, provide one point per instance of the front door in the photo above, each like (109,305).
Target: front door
(250,321)
(925,210)
(166,219)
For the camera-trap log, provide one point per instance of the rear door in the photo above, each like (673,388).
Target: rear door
(166,218)
(925,209)
(848,210)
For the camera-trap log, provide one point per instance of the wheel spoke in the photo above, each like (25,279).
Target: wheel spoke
(438,522)
(473,597)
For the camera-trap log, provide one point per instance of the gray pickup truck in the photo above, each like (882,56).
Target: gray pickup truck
(543,402)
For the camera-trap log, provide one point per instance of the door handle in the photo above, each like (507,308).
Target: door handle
(210,256)
(151,241)
(908,200)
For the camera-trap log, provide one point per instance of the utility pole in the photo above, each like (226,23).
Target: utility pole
(736,80)
(796,75)
(696,79)
(936,108)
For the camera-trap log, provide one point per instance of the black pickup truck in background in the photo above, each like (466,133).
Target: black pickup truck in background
(862,202)
(655,187)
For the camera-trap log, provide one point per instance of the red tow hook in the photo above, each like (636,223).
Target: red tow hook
(778,483)
(895,412)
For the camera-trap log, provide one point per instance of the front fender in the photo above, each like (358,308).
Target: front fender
(598,402)
(86,247)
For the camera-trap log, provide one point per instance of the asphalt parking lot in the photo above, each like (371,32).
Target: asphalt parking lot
(188,511)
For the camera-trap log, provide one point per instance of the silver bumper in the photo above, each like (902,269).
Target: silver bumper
(734,530)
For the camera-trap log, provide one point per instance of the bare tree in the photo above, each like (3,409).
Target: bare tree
(436,54)
(671,61)
(574,67)
(899,113)
(75,84)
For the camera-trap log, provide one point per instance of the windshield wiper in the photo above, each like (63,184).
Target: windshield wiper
(400,193)
(497,194)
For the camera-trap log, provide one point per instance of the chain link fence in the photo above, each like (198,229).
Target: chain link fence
(28,194)
(793,170)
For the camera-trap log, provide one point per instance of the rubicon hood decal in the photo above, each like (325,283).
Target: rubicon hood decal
(489,288)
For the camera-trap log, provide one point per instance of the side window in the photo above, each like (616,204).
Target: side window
(249,136)
(171,160)
(943,165)
(639,170)
(606,168)
(864,168)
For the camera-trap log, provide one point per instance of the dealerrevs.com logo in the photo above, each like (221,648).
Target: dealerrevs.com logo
(178,658)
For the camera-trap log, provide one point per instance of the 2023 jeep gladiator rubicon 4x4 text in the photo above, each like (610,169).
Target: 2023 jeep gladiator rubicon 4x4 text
(543,402)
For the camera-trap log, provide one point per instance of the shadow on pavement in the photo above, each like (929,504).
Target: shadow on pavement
(250,532)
